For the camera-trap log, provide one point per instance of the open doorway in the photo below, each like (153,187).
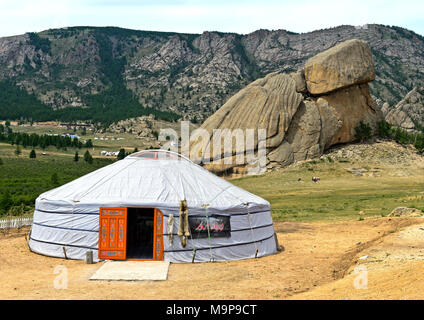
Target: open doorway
(140,233)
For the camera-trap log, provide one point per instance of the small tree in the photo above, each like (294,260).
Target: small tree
(121,154)
(32,154)
(135,150)
(384,129)
(363,131)
(76,156)
(89,143)
(5,201)
(87,157)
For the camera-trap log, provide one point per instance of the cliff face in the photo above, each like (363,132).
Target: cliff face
(409,112)
(302,113)
(191,74)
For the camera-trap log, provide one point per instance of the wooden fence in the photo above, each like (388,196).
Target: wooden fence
(11,223)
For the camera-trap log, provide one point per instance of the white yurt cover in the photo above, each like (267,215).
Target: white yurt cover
(68,216)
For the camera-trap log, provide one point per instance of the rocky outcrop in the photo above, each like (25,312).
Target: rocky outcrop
(300,125)
(409,112)
(190,74)
(268,103)
(141,126)
(344,65)
(405,212)
(350,106)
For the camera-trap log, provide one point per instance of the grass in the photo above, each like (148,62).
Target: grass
(25,179)
(338,196)
(128,141)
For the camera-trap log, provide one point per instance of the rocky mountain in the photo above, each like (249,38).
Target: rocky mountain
(303,113)
(409,112)
(108,74)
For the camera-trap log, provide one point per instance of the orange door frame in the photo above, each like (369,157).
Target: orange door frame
(113,233)
(106,253)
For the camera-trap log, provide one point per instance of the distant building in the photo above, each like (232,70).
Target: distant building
(109,153)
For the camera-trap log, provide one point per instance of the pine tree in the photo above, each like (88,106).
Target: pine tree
(76,157)
(87,157)
(89,143)
(121,154)
(32,154)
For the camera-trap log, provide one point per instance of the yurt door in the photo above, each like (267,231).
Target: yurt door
(158,236)
(112,233)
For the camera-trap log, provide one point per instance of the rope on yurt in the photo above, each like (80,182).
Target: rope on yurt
(209,233)
(251,229)
(194,249)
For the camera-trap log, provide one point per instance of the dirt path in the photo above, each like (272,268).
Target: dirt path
(393,269)
(315,254)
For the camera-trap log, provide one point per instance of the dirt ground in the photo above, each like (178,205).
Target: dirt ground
(394,269)
(317,262)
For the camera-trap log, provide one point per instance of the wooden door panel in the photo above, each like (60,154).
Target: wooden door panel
(158,236)
(113,233)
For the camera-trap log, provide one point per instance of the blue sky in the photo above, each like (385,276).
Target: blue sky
(196,16)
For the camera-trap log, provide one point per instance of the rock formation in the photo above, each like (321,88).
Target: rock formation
(189,74)
(341,66)
(409,112)
(303,113)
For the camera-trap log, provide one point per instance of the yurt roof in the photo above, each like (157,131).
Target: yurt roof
(153,178)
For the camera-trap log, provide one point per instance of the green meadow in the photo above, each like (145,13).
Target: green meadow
(23,179)
(339,195)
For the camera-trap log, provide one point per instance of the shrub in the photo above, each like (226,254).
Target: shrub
(363,131)
(384,129)
(32,154)
(5,202)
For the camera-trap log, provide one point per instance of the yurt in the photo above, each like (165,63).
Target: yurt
(152,205)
